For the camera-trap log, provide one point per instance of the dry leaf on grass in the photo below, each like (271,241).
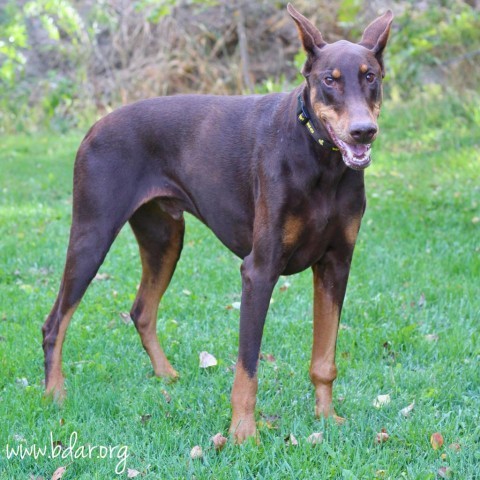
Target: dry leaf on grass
(196,452)
(436,440)
(291,440)
(145,418)
(455,447)
(382,436)
(207,360)
(285,286)
(23,382)
(166,396)
(102,276)
(132,473)
(381,400)
(186,292)
(408,409)
(236,305)
(431,337)
(125,317)
(58,473)
(268,357)
(219,441)
(445,472)
(315,438)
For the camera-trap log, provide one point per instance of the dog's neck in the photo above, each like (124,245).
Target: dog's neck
(305,118)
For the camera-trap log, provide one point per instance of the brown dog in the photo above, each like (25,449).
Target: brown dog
(278,178)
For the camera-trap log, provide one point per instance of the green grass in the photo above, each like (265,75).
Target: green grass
(415,273)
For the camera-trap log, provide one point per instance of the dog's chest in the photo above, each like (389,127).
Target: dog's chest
(325,218)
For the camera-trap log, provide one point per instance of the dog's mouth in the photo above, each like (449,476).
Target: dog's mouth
(355,156)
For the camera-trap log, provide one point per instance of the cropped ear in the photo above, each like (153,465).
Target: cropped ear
(311,38)
(376,34)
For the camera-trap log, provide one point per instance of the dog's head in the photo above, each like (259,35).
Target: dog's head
(345,85)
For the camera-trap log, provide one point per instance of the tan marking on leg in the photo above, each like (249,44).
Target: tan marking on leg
(336,73)
(152,288)
(291,230)
(244,393)
(55,382)
(364,68)
(323,370)
(351,231)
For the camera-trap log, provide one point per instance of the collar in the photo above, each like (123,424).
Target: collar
(304,118)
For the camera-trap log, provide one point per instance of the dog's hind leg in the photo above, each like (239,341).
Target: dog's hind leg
(91,236)
(160,240)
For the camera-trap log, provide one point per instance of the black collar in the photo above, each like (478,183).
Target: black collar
(304,118)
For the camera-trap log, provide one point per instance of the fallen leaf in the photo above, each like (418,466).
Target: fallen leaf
(269,420)
(58,473)
(207,360)
(315,438)
(408,409)
(445,472)
(285,286)
(291,440)
(23,382)
(455,447)
(132,473)
(431,337)
(381,400)
(236,305)
(268,357)
(186,292)
(166,396)
(422,301)
(380,473)
(125,317)
(145,418)
(196,452)
(436,440)
(219,441)
(382,436)
(102,276)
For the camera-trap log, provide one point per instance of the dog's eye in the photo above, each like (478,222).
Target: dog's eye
(329,81)
(370,77)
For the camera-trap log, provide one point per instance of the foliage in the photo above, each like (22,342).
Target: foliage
(28,98)
(435,44)
(409,328)
(63,63)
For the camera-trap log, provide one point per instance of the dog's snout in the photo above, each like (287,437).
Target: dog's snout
(363,132)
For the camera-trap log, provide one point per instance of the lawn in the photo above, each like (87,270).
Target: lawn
(409,330)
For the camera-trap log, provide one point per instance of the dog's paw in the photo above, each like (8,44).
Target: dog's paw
(243,429)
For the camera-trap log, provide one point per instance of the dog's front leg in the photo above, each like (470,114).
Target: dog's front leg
(329,284)
(258,282)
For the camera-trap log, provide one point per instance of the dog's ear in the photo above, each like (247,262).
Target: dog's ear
(311,38)
(376,34)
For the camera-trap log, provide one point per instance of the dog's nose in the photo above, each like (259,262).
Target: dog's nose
(363,132)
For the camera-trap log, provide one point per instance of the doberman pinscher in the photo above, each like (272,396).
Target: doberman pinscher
(278,178)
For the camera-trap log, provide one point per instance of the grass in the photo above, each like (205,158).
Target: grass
(410,329)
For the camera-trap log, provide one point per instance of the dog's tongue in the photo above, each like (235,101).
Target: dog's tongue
(358,150)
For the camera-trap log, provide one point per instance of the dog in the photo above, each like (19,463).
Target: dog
(278,178)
